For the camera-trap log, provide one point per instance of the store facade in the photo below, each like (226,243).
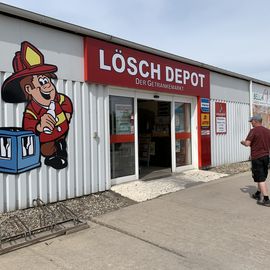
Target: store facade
(231,104)
(121,110)
(153,111)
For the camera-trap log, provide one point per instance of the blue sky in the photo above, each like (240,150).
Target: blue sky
(233,35)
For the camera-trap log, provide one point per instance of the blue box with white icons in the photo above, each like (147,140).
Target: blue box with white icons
(19,150)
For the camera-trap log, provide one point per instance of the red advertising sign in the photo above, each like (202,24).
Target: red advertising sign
(112,64)
(221,117)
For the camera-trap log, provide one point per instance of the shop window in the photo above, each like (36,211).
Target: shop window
(183,134)
(122,136)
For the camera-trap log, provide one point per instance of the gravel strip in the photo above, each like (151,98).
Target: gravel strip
(233,168)
(84,207)
(141,191)
(97,204)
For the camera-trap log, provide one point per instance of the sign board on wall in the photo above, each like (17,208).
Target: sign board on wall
(205,120)
(221,117)
(205,116)
(205,105)
(261,97)
(205,132)
(112,64)
(261,103)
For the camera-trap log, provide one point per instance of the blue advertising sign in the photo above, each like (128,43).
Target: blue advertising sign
(205,105)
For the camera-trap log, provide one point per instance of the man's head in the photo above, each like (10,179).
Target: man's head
(256,120)
(40,88)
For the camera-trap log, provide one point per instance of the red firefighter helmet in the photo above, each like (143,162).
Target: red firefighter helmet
(28,61)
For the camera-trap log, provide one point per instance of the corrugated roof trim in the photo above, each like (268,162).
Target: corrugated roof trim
(79,30)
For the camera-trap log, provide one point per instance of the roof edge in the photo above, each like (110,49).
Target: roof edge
(26,15)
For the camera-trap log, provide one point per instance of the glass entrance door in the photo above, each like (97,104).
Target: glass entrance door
(183,134)
(154,138)
(122,148)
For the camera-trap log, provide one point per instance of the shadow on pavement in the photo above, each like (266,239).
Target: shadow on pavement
(249,189)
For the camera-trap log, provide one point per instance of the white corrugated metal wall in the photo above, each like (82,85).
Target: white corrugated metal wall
(87,171)
(226,148)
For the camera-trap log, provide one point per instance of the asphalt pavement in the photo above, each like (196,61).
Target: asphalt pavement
(214,225)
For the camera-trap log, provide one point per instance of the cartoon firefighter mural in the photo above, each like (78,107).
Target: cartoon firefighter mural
(47,113)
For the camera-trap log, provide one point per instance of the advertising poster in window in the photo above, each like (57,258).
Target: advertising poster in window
(179,118)
(221,117)
(123,115)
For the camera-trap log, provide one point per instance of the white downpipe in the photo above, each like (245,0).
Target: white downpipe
(250,98)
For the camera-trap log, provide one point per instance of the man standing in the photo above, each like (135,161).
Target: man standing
(259,141)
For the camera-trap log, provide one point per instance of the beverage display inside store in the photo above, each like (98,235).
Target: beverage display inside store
(154,126)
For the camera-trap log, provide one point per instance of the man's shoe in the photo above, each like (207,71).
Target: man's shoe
(256,196)
(264,203)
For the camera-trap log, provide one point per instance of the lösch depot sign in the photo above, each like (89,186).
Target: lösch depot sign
(112,64)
